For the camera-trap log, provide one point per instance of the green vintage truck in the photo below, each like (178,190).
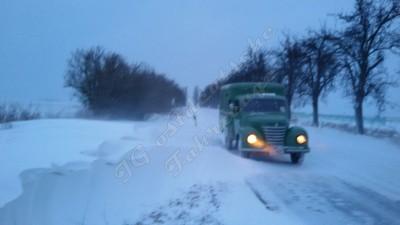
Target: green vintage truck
(254,118)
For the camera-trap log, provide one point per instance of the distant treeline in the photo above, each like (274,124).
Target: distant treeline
(13,112)
(108,86)
(350,58)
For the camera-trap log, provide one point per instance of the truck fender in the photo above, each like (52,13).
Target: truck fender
(292,134)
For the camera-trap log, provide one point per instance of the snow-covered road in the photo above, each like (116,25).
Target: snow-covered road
(169,171)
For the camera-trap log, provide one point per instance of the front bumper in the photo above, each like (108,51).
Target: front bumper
(278,149)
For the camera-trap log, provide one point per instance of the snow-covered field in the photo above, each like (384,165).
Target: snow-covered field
(48,108)
(372,123)
(169,171)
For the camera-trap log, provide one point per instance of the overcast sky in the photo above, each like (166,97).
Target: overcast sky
(190,41)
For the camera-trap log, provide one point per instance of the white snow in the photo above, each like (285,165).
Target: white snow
(169,171)
(49,143)
(372,123)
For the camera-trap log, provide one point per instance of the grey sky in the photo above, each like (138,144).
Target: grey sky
(190,41)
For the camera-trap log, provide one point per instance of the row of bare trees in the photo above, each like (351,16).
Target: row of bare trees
(109,86)
(351,58)
(14,112)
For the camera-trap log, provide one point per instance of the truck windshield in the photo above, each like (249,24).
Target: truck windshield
(265,105)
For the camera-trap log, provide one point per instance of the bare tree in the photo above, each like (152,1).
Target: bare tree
(254,68)
(196,96)
(368,34)
(321,67)
(108,86)
(14,112)
(289,61)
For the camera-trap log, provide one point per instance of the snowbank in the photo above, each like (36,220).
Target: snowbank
(170,171)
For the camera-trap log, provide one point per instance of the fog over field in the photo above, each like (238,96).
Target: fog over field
(192,42)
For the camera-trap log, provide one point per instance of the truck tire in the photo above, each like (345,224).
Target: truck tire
(297,158)
(235,143)
(229,142)
(245,154)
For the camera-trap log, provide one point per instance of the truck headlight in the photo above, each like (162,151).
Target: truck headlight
(252,139)
(301,139)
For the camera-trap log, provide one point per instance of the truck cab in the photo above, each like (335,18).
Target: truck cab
(254,118)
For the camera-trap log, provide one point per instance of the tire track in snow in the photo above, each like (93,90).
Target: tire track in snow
(261,198)
(197,206)
(328,200)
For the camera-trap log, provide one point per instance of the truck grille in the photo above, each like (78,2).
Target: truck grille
(275,135)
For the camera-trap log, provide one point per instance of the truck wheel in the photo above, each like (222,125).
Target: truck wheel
(235,143)
(245,154)
(228,142)
(297,158)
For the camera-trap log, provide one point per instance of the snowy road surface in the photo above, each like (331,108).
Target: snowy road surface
(168,171)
